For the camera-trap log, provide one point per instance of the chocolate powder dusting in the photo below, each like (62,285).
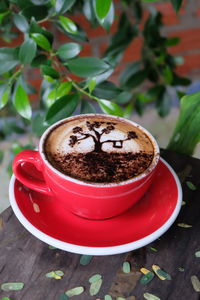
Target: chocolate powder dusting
(102,167)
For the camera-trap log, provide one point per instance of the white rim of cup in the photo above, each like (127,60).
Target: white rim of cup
(82,182)
(89,250)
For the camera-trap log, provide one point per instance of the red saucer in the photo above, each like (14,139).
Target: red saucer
(140,225)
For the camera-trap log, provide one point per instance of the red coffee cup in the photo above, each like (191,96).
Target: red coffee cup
(85,199)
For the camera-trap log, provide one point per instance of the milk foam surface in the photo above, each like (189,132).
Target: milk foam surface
(59,140)
(99,149)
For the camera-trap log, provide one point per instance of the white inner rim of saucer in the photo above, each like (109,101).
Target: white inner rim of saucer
(97,250)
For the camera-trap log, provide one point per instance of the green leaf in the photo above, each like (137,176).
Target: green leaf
(20,22)
(35,28)
(21,102)
(109,19)
(39,2)
(8,59)
(3,16)
(88,10)
(61,6)
(129,71)
(1,156)
(155,92)
(176,4)
(168,75)
(123,98)
(41,41)
(62,108)
(49,71)
(106,90)
(4,94)
(186,134)
(136,79)
(103,76)
(16,148)
(179,80)
(39,13)
(110,108)
(68,51)
(27,51)
(87,66)
(60,91)
(102,8)
(68,25)
(38,124)
(163,104)
(87,108)
(39,60)
(12,286)
(128,110)
(123,37)
(137,10)
(172,41)
(139,106)
(79,36)
(91,84)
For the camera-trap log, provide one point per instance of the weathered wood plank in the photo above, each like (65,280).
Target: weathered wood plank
(24,258)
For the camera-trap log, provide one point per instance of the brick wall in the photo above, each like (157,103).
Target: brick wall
(186,26)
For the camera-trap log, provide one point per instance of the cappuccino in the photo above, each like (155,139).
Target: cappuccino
(99,148)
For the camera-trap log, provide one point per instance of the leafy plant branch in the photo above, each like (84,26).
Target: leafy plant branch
(140,82)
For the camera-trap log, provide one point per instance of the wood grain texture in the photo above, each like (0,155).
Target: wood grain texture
(24,258)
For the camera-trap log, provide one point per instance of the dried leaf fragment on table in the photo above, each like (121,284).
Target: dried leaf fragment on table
(52,247)
(161,273)
(149,296)
(108,297)
(75,291)
(191,186)
(195,283)
(12,286)
(181,269)
(197,253)
(95,287)
(126,267)
(85,259)
(145,279)
(95,278)
(184,225)
(153,249)
(55,274)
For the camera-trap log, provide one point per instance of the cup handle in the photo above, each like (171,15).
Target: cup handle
(32,157)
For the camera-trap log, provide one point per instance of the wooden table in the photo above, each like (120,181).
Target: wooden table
(24,258)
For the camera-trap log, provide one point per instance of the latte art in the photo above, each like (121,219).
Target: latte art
(99,149)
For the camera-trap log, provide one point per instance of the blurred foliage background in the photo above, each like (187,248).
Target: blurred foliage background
(73,83)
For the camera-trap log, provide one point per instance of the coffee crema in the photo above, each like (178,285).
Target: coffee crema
(99,149)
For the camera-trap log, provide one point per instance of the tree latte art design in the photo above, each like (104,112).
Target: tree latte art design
(96,135)
(99,150)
